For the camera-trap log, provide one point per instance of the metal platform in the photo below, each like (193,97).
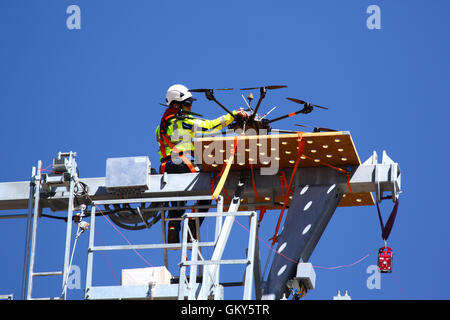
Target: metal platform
(318,189)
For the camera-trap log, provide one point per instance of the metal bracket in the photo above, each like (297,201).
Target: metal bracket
(387,170)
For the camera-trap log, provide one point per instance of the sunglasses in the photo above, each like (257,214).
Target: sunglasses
(187,102)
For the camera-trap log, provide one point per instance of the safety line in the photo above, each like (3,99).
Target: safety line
(296,262)
(123,236)
(107,260)
(398,284)
(115,228)
(344,266)
(325,268)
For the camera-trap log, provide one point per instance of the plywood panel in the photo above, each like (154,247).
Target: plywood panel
(262,151)
(335,148)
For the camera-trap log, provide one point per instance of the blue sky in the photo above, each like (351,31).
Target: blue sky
(97,91)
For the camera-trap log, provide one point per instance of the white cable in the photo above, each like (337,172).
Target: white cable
(71,259)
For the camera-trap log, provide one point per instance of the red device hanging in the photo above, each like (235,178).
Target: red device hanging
(385,259)
(385,253)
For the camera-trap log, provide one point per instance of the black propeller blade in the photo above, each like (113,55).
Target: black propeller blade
(209,93)
(206,90)
(193,113)
(317,129)
(307,109)
(267,87)
(304,102)
(185,111)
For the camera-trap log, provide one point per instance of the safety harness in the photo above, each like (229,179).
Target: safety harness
(169,114)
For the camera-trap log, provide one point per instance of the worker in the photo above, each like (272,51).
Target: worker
(176,149)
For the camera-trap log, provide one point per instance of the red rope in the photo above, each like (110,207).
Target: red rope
(286,197)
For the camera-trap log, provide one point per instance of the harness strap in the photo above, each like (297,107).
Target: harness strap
(386,229)
(175,149)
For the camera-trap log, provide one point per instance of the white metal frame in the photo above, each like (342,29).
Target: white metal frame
(187,286)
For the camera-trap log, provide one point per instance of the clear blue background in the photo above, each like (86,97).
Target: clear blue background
(97,91)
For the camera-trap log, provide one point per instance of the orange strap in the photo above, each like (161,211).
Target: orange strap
(338,169)
(183,157)
(162,168)
(253,181)
(283,183)
(286,196)
(282,187)
(174,149)
(262,211)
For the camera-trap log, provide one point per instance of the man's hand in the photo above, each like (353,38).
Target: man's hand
(242,114)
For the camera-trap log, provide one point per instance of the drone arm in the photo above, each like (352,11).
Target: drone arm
(261,97)
(285,116)
(224,108)
(210,126)
(210,96)
(307,109)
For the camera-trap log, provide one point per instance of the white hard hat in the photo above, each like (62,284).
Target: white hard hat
(179,93)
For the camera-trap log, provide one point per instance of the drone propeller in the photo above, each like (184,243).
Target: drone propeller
(209,93)
(308,107)
(266,87)
(206,90)
(185,111)
(193,113)
(304,102)
(262,95)
(316,129)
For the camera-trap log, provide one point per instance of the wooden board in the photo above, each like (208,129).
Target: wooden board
(319,149)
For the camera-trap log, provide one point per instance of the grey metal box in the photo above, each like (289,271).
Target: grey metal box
(127,174)
(306,274)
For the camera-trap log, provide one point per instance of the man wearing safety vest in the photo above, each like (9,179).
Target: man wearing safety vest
(176,147)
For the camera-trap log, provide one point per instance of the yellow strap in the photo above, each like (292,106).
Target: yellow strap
(225,172)
(223,178)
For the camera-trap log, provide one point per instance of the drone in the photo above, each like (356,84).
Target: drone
(255,120)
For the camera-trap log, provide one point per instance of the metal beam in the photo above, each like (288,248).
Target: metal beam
(158,291)
(309,213)
(367,177)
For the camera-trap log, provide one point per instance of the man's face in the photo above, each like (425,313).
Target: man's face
(187,107)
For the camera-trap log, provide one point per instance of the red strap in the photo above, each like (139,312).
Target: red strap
(253,181)
(301,144)
(281,187)
(262,211)
(167,115)
(162,168)
(188,163)
(283,183)
(161,148)
(386,229)
(338,169)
